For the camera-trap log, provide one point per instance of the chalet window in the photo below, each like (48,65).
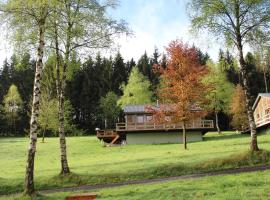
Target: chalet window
(258,116)
(140,119)
(267,111)
(149,118)
(130,118)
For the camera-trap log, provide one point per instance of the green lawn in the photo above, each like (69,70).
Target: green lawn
(91,163)
(248,186)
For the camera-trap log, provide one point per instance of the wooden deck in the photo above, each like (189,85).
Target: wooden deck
(262,120)
(203,124)
(106,134)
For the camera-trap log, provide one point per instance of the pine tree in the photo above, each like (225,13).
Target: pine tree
(5,79)
(119,73)
(144,66)
(129,65)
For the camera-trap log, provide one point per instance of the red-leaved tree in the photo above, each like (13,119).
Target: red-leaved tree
(182,90)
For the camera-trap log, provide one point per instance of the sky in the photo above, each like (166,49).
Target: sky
(155,23)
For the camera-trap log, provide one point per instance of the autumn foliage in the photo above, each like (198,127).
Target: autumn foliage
(182,87)
(239,110)
(182,91)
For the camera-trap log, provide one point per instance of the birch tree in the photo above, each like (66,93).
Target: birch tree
(239,22)
(28,20)
(78,25)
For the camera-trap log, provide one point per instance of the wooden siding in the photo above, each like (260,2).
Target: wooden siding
(262,112)
(162,137)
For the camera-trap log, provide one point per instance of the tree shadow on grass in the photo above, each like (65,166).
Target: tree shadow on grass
(225,137)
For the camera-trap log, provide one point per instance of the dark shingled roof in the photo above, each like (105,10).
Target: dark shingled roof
(259,97)
(134,109)
(146,108)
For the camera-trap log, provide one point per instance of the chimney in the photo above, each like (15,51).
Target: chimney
(157,104)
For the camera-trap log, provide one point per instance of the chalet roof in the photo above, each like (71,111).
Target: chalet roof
(134,109)
(144,108)
(267,95)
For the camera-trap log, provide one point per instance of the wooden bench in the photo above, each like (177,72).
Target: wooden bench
(85,196)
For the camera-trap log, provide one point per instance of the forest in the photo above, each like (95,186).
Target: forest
(95,86)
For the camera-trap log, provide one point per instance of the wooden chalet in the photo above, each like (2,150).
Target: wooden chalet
(139,128)
(261,110)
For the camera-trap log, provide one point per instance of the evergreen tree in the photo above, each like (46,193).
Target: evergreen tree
(229,65)
(5,79)
(144,66)
(255,77)
(109,109)
(154,79)
(202,57)
(119,73)
(108,74)
(129,65)
(163,62)
(137,90)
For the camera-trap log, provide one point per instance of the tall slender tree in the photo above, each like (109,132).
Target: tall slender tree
(79,24)
(239,22)
(28,20)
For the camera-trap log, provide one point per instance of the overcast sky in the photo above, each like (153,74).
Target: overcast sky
(154,23)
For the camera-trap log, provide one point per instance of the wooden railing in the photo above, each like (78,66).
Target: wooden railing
(203,124)
(262,120)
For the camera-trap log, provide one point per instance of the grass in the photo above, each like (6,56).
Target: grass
(252,186)
(92,164)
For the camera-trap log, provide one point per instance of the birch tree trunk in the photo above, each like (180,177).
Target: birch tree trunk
(217,122)
(265,81)
(252,125)
(243,70)
(184,136)
(61,115)
(60,85)
(29,175)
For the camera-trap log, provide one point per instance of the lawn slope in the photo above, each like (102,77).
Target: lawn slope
(92,164)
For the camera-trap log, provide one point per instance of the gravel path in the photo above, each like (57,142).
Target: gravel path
(158,180)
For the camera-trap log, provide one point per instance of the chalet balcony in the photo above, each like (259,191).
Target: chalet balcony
(203,124)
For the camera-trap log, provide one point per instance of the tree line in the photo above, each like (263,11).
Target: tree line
(100,79)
